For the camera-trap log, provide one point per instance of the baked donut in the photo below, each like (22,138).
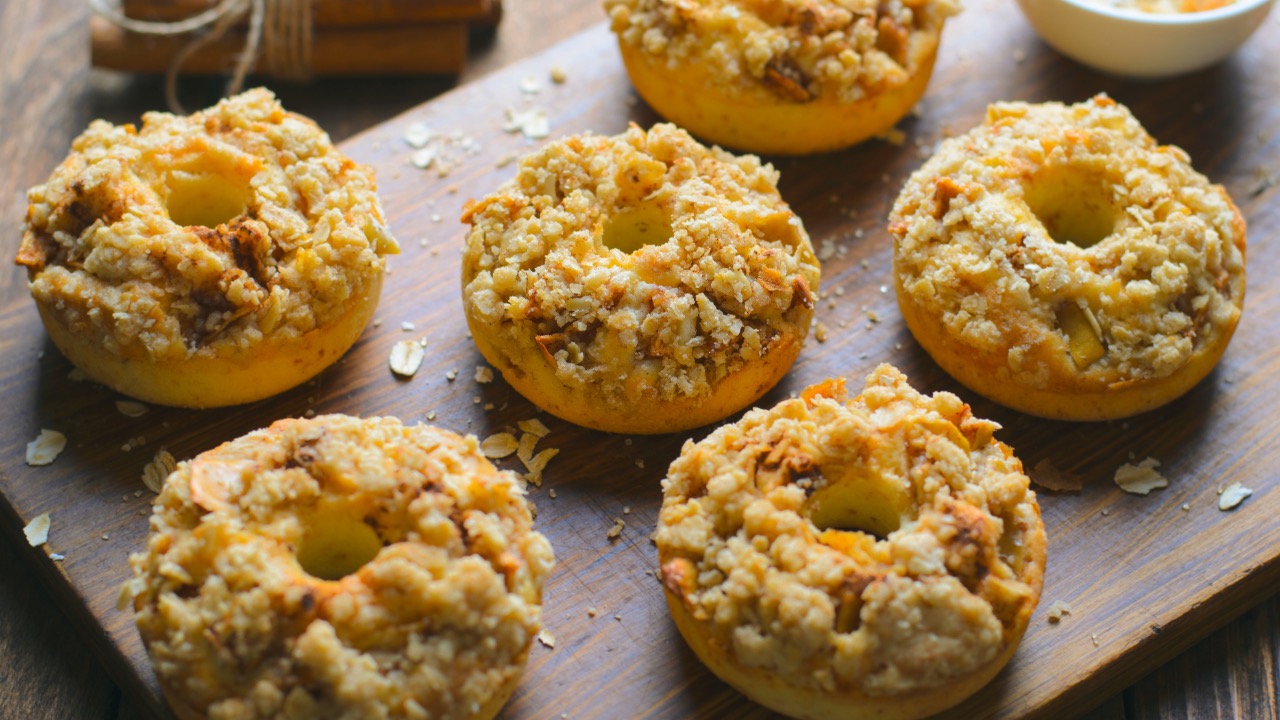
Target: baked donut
(640,283)
(785,76)
(875,557)
(207,260)
(340,568)
(1059,261)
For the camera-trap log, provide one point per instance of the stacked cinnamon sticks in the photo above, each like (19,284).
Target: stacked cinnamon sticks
(365,37)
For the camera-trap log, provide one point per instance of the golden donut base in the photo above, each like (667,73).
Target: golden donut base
(766,688)
(761,122)
(1066,397)
(527,370)
(200,381)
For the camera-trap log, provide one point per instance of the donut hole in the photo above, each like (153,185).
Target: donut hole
(335,542)
(857,507)
(204,199)
(1074,205)
(632,228)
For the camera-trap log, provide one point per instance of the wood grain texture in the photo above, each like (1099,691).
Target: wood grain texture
(1146,564)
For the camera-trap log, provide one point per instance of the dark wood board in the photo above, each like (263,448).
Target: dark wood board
(1147,578)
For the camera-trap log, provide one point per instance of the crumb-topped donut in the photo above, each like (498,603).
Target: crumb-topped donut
(206,260)
(340,568)
(1059,261)
(641,283)
(786,76)
(874,557)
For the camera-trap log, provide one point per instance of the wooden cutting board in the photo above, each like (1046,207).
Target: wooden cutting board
(1145,577)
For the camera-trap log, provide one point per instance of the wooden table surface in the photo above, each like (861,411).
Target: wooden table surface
(50,94)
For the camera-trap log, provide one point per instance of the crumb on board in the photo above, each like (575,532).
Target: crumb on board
(483,374)
(1058,610)
(616,530)
(1140,479)
(558,74)
(546,638)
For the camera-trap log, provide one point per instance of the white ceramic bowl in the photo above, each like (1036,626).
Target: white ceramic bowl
(1133,43)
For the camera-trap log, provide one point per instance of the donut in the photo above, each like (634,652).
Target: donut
(207,260)
(641,283)
(874,557)
(787,77)
(1060,262)
(340,568)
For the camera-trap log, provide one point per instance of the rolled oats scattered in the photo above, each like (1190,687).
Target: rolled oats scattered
(46,447)
(498,445)
(483,375)
(546,638)
(37,531)
(130,408)
(406,357)
(531,123)
(155,472)
(1233,495)
(1140,479)
(534,426)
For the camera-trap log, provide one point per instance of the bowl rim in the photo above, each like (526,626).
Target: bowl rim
(1237,7)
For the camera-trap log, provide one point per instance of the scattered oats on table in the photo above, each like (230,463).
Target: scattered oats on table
(558,74)
(483,374)
(546,638)
(406,357)
(155,472)
(131,408)
(1140,479)
(37,531)
(498,445)
(534,426)
(531,123)
(1233,495)
(46,447)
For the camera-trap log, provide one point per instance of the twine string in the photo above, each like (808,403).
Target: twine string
(280,32)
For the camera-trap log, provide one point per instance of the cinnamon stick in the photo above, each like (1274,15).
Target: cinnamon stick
(423,49)
(338,13)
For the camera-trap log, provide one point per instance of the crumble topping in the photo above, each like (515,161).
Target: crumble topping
(885,542)
(793,49)
(1066,239)
(116,243)
(728,273)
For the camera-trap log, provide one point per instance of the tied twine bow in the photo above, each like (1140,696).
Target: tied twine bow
(280,33)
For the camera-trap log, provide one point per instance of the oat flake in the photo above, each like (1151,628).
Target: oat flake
(155,472)
(1233,495)
(1142,478)
(46,447)
(546,638)
(499,445)
(406,357)
(37,531)
(130,408)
